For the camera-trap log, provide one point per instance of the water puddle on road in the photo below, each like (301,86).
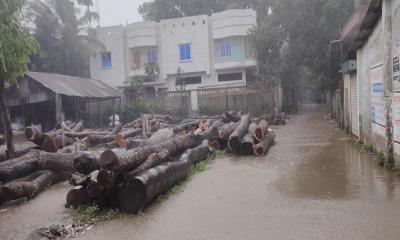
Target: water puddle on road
(339,171)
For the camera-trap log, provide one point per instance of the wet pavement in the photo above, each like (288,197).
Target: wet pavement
(313,184)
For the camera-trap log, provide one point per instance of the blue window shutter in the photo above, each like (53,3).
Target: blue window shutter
(182,51)
(188,53)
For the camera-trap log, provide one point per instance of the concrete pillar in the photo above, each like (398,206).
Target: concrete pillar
(388,75)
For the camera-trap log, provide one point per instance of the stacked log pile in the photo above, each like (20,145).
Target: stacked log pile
(135,166)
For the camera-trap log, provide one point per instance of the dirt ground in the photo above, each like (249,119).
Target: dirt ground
(314,184)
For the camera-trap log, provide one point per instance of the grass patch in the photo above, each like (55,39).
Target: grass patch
(90,214)
(367,147)
(380,159)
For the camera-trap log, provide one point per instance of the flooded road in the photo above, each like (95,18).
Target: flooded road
(314,184)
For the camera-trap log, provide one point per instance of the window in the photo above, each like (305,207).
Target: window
(135,59)
(189,80)
(152,56)
(230,77)
(225,47)
(106,60)
(185,53)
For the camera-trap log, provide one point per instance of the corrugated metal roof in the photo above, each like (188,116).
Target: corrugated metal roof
(75,86)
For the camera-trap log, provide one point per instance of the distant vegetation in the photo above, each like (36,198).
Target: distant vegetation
(292,39)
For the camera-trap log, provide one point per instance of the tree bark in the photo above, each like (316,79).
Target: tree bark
(195,155)
(262,147)
(33,161)
(54,141)
(159,137)
(6,121)
(83,134)
(34,135)
(30,186)
(78,127)
(94,140)
(126,160)
(236,137)
(86,163)
(77,196)
(153,160)
(261,130)
(136,193)
(246,146)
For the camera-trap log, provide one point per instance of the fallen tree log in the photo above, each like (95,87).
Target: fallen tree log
(262,147)
(54,141)
(117,129)
(261,130)
(131,133)
(125,160)
(33,161)
(19,151)
(195,155)
(76,147)
(210,134)
(246,146)
(236,137)
(94,140)
(86,162)
(187,126)
(34,135)
(136,193)
(78,127)
(78,196)
(30,186)
(153,160)
(159,137)
(83,134)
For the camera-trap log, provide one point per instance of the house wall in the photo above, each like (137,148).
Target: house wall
(370,55)
(114,40)
(203,32)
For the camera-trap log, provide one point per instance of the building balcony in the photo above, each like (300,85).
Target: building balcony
(234,64)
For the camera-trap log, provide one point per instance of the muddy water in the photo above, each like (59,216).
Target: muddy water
(19,219)
(314,184)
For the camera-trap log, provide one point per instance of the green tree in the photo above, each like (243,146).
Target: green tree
(152,69)
(16,45)
(64,35)
(292,44)
(164,9)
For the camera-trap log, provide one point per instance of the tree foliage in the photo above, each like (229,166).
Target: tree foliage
(293,43)
(16,45)
(64,35)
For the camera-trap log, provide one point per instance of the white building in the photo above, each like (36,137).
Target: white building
(210,51)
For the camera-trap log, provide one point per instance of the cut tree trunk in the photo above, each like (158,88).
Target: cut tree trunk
(117,129)
(94,140)
(159,137)
(33,161)
(262,147)
(30,186)
(78,127)
(78,196)
(83,134)
(261,130)
(137,193)
(54,141)
(131,133)
(153,160)
(34,135)
(246,146)
(236,137)
(127,160)
(86,163)
(210,133)
(187,126)
(195,155)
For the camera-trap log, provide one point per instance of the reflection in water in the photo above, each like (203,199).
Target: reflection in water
(339,171)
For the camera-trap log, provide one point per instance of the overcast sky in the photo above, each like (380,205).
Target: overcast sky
(115,12)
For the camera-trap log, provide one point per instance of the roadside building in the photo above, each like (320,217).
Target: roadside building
(192,53)
(47,99)
(371,74)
